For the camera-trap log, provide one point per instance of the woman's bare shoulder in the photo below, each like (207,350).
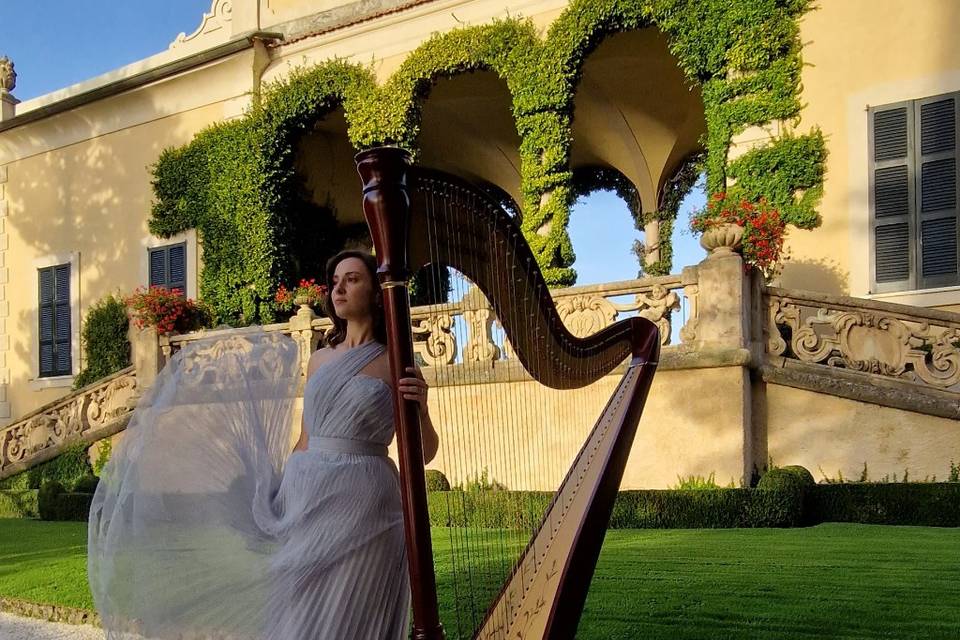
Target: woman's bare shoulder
(318,357)
(379,367)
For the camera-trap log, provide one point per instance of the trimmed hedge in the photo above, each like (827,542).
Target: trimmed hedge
(67,468)
(705,509)
(487,509)
(73,506)
(48,499)
(54,502)
(436,481)
(786,500)
(19,504)
(86,484)
(914,503)
(649,509)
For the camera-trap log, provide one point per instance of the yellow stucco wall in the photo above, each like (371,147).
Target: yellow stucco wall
(526,435)
(862,53)
(79,188)
(831,436)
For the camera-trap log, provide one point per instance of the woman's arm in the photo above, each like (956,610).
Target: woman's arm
(316,358)
(415,388)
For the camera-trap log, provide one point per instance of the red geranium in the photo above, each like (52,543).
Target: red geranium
(167,310)
(307,290)
(764,229)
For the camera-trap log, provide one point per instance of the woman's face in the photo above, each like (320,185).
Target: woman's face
(352,291)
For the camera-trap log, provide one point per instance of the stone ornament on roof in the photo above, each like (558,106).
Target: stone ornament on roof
(219,17)
(8,77)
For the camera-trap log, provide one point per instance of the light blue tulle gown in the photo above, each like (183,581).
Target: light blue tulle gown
(204,525)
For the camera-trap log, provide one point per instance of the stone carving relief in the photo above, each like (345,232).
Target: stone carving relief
(217,19)
(656,306)
(69,420)
(584,315)
(874,342)
(8,76)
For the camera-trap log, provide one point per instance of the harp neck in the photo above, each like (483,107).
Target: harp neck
(386,206)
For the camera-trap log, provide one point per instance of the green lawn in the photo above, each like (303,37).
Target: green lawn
(830,581)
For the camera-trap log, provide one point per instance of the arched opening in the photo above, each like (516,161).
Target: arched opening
(325,215)
(467,129)
(637,116)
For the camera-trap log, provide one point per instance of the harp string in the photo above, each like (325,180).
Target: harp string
(528,457)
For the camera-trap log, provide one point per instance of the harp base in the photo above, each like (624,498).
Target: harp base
(429,634)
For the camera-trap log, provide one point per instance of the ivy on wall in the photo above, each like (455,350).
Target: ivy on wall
(237,185)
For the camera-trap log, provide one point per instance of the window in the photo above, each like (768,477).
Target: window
(914,227)
(168,266)
(55,321)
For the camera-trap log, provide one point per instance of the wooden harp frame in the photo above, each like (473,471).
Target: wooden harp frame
(544,595)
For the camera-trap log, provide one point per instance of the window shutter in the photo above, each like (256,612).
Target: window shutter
(177,261)
(47,362)
(938,211)
(891,197)
(55,326)
(168,267)
(64,362)
(158,267)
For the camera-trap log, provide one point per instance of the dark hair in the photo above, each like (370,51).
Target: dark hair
(338,333)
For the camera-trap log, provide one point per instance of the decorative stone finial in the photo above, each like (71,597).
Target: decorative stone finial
(8,77)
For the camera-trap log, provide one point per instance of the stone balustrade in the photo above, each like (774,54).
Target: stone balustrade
(89,414)
(756,348)
(467,331)
(908,344)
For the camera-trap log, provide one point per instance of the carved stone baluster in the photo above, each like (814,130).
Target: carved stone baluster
(507,352)
(434,340)
(691,290)
(776,345)
(936,358)
(479,318)
(301,330)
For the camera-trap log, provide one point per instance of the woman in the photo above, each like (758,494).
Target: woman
(204,525)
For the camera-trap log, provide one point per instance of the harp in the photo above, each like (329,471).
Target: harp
(416,218)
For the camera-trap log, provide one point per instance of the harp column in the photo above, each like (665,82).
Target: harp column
(386,206)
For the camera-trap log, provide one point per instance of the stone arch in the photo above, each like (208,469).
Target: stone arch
(467,129)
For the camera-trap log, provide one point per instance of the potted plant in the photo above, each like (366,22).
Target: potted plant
(306,294)
(167,310)
(755,230)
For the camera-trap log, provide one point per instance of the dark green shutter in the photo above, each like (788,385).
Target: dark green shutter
(47,360)
(158,267)
(891,197)
(177,267)
(168,267)
(56,358)
(938,178)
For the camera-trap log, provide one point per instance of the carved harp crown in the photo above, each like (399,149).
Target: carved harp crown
(419,217)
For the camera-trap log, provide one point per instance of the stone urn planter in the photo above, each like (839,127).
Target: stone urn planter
(722,239)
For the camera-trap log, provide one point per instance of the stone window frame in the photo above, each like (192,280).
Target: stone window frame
(193,256)
(859,213)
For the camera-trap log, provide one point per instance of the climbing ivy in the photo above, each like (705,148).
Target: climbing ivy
(236,182)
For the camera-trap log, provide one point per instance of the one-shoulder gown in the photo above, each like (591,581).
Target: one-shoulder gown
(204,525)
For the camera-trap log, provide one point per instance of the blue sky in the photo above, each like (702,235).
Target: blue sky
(56,43)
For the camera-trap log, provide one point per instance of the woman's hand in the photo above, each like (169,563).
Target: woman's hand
(414,388)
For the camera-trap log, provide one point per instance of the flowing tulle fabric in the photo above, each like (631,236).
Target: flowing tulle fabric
(204,525)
